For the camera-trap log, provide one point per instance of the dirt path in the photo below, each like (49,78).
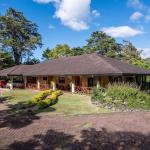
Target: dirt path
(117,131)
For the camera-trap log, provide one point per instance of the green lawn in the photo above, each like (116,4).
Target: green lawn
(16,96)
(68,104)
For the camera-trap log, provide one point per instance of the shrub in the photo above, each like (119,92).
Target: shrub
(58,92)
(43,104)
(123,96)
(98,94)
(40,96)
(52,99)
(45,99)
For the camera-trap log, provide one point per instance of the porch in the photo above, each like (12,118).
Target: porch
(74,84)
(81,84)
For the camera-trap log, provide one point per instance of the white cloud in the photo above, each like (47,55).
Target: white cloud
(137,4)
(74,14)
(51,27)
(145,52)
(136,16)
(96,13)
(43,1)
(122,31)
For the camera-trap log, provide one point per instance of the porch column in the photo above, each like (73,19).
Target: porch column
(25,81)
(38,83)
(73,85)
(11,84)
(53,84)
(97,82)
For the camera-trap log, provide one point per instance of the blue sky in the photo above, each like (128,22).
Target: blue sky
(72,21)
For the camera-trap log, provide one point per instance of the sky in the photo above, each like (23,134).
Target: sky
(73,21)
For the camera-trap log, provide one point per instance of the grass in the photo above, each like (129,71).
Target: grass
(17,96)
(68,104)
(76,105)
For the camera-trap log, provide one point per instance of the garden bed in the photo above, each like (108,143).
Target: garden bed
(121,97)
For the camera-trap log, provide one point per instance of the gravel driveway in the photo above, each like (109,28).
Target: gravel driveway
(115,131)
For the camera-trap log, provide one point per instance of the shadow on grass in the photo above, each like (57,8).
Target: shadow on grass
(19,115)
(90,140)
(4,99)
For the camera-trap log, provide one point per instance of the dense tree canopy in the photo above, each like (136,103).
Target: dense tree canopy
(18,35)
(6,59)
(61,50)
(101,42)
(129,51)
(78,51)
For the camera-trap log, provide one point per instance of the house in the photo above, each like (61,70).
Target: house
(75,73)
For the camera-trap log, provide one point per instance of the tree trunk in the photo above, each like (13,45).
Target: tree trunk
(17,57)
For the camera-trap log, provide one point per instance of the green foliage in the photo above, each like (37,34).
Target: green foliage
(123,96)
(131,55)
(18,35)
(129,51)
(78,51)
(45,99)
(40,96)
(140,63)
(6,60)
(106,45)
(98,94)
(61,50)
(32,61)
(43,104)
(58,92)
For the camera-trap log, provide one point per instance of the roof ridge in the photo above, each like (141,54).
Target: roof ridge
(67,57)
(105,59)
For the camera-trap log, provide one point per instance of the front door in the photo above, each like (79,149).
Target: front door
(90,82)
(77,81)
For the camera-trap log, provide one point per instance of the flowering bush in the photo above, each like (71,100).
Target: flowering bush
(45,99)
(40,96)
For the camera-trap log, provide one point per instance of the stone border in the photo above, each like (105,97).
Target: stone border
(114,109)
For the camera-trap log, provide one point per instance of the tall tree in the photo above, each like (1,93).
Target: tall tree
(132,55)
(61,50)
(106,45)
(78,51)
(129,51)
(18,35)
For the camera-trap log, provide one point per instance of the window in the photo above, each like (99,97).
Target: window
(90,82)
(17,79)
(77,81)
(61,80)
(45,78)
(31,79)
